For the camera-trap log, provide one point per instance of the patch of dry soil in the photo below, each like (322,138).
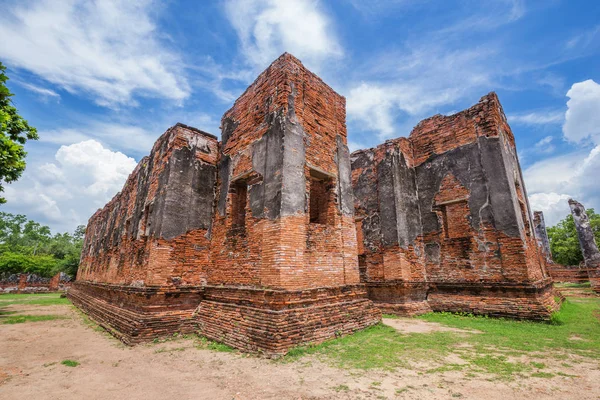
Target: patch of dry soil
(30,356)
(411,325)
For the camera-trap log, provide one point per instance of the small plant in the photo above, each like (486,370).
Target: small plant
(341,388)
(541,374)
(70,363)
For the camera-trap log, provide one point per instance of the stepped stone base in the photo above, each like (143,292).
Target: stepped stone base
(255,320)
(274,321)
(534,301)
(137,315)
(399,298)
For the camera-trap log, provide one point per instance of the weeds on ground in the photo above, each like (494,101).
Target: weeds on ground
(70,363)
(205,343)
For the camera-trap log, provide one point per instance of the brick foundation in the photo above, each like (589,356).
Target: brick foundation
(137,315)
(273,321)
(534,301)
(400,298)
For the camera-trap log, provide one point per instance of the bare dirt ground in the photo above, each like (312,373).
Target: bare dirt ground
(31,355)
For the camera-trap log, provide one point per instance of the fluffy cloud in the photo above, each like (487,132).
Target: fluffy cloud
(410,85)
(582,119)
(267,28)
(553,180)
(553,205)
(107,48)
(65,192)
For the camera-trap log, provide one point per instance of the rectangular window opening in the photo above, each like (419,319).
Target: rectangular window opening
(320,199)
(238,204)
(456,223)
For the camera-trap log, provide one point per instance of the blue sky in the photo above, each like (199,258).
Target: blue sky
(102,80)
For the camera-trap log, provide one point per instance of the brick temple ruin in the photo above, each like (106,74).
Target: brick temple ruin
(277,236)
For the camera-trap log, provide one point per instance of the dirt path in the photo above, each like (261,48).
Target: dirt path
(31,355)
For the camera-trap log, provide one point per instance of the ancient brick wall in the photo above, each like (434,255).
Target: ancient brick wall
(284,149)
(251,240)
(447,207)
(155,231)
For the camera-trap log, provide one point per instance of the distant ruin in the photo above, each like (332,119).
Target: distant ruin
(276,236)
(32,283)
(587,242)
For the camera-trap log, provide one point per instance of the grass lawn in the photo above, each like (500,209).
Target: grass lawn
(494,347)
(40,299)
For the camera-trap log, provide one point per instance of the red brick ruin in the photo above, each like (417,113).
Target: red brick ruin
(276,236)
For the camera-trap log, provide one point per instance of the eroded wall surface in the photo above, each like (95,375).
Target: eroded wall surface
(156,230)
(447,206)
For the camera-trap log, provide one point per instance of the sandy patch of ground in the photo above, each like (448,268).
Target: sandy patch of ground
(411,325)
(31,355)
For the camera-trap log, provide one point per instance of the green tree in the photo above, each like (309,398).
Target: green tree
(28,246)
(14,132)
(564,243)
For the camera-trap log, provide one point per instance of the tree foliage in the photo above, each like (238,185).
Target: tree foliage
(27,246)
(14,132)
(564,243)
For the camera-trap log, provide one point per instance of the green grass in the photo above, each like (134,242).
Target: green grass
(205,343)
(19,319)
(573,285)
(575,319)
(38,299)
(493,348)
(70,363)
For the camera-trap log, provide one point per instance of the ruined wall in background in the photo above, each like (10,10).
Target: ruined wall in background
(476,220)
(463,227)
(541,235)
(587,242)
(31,283)
(156,230)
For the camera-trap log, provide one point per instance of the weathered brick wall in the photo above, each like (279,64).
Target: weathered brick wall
(568,273)
(476,219)
(286,131)
(155,231)
(447,207)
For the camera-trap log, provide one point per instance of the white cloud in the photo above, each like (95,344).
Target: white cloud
(545,145)
(552,181)
(582,119)
(267,28)
(554,206)
(109,49)
(410,83)
(65,192)
(571,175)
(125,137)
(43,92)
(538,118)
